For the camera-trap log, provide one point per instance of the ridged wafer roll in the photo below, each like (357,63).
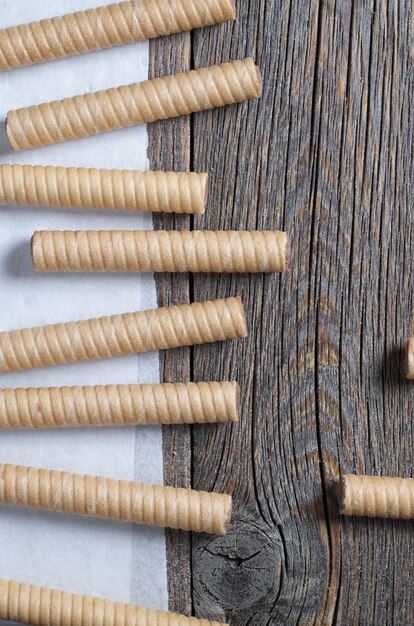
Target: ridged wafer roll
(127,333)
(159,251)
(409,359)
(122,500)
(148,101)
(119,405)
(127,190)
(41,606)
(376,496)
(105,27)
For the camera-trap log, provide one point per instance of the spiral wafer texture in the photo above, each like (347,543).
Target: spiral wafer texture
(41,606)
(409,359)
(148,101)
(159,251)
(128,190)
(104,27)
(126,333)
(376,496)
(119,405)
(122,500)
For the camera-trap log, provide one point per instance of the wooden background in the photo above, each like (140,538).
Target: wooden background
(326,155)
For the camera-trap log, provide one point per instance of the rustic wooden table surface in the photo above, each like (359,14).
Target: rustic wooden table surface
(326,155)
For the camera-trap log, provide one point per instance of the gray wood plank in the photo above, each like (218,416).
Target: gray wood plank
(364,282)
(277,556)
(326,155)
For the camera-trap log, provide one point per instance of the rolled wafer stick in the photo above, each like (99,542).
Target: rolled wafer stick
(118,405)
(127,333)
(40,606)
(105,27)
(127,190)
(376,496)
(122,500)
(409,359)
(159,251)
(151,100)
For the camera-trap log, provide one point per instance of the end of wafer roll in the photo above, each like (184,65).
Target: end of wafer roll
(409,359)
(200,209)
(228,8)
(235,415)
(240,320)
(349,495)
(221,399)
(341,495)
(225,521)
(286,251)
(230,399)
(228,11)
(32,250)
(229,515)
(257,83)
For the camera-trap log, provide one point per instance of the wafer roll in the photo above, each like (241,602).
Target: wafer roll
(376,496)
(127,333)
(127,190)
(159,251)
(409,359)
(40,606)
(104,27)
(126,501)
(151,100)
(119,405)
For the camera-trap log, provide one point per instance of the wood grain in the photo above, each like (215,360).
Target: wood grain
(326,155)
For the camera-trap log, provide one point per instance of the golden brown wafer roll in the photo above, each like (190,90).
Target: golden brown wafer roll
(409,359)
(376,496)
(40,606)
(119,405)
(127,333)
(127,501)
(159,251)
(127,190)
(151,100)
(105,27)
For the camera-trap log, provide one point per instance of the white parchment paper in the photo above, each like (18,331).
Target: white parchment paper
(95,557)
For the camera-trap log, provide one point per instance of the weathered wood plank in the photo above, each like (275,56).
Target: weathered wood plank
(365,287)
(264,167)
(327,154)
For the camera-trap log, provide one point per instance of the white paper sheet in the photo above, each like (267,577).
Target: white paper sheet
(101,558)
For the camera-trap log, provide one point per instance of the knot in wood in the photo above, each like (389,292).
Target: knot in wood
(241,569)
